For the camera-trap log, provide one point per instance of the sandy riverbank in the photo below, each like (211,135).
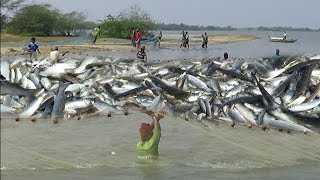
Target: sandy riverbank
(168,41)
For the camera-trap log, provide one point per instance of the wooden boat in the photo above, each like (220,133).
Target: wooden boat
(315,57)
(280,39)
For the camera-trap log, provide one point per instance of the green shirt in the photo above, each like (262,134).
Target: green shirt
(147,149)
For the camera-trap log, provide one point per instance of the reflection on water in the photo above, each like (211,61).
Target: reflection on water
(83,150)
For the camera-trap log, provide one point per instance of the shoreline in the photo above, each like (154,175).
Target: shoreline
(110,44)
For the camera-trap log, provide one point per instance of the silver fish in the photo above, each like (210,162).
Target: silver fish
(305,106)
(59,103)
(198,83)
(5,69)
(32,107)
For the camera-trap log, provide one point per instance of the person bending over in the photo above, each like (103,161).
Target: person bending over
(142,53)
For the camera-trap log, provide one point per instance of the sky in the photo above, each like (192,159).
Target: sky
(236,13)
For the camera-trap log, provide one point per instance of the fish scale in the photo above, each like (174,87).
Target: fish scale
(196,89)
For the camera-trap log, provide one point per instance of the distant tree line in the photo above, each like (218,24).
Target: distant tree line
(261,28)
(18,17)
(122,25)
(40,19)
(182,26)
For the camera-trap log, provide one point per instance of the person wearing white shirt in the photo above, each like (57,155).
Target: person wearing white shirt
(54,54)
(284,35)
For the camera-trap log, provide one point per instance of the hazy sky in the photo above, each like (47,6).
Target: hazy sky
(237,13)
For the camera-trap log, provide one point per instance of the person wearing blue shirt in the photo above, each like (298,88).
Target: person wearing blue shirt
(33,48)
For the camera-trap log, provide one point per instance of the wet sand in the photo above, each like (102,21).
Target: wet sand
(168,41)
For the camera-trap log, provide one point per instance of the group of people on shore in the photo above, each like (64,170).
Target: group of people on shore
(33,48)
(185,40)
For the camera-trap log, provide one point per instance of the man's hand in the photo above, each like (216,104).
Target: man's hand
(159,116)
(155,115)
(150,113)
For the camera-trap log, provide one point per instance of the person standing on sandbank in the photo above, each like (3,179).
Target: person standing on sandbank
(133,37)
(205,40)
(138,39)
(33,48)
(95,33)
(183,40)
(187,40)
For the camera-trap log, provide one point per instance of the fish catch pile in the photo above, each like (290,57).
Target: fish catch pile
(282,94)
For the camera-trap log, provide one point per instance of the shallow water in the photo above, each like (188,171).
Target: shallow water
(188,150)
(308,43)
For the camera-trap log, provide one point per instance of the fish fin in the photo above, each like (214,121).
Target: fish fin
(260,117)
(66,84)
(270,104)
(2,77)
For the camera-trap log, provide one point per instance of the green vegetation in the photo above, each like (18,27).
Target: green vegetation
(37,20)
(8,7)
(41,20)
(182,26)
(120,26)
(261,28)
(20,18)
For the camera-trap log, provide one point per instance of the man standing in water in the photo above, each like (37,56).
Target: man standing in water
(150,134)
(159,38)
(276,56)
(205,40)
(225,56)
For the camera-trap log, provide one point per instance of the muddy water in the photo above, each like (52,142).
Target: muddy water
(104,148)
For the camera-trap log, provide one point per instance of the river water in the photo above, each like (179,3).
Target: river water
(104,148)
(308,43)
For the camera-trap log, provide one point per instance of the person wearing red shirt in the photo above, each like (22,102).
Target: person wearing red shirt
(138,38)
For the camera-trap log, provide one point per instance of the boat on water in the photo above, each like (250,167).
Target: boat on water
(315,57)
(280,39)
